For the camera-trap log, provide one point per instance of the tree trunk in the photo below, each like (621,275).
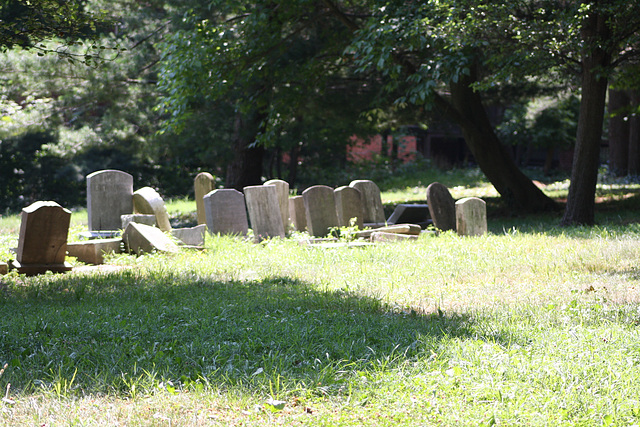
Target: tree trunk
(618,133)
(634,136)
(580,209)
(246,167)
(516,189)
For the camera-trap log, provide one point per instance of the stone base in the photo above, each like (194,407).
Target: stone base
(34,269)
(103,234)
(92,251)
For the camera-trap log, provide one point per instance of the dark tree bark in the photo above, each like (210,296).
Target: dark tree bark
(246,167)
(580,209)
(634,137)
(495,161)
(618,133)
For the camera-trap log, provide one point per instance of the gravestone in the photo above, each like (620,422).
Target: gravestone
(320,209)
(371,199)
(147,201)
(141,239)
(264,211)
(190,236)
(349,205)
(203,184)
(471,216)
(93,251)
(226,212)
(109,195)
(297,214)
(4,267)
(441,207)
(410,214)
(139,218)
(282,187)
(42,243)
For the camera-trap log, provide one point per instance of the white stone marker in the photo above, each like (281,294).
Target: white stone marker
(471,216)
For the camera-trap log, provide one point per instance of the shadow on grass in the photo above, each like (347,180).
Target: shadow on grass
(106,333)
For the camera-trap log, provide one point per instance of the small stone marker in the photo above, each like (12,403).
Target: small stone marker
(380,236)
(320,209)
(139,218)
(441,207)
(471,216)
(297,214)
(410,213)
(282,187)
(42,244)
(203,184)
(147,201)
(140,238)
(93,251)
(190,236)
(4,268)
(264,211)
(226,212)
(109,195)
(349,205)
(371,199)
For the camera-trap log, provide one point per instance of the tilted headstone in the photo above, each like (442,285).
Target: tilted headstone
(42,243)
(441,207)
(297,214)
(371,199)
(109,195)
(140,238)
(147,201)
(203,184)
(410,214)
(471,216)
(320,208)
(282,187)
(226,212)
(349,206)
(264,211)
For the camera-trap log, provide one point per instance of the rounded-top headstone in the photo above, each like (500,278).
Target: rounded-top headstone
(349,206)
(203,184)
(372,200)
(471,216)
(441,207)
(320,209)
(147,201)
(109,195)
(226,212)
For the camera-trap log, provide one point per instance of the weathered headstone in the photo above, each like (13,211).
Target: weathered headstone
(264,211)
(348,206)
(4,268)
(471,216)
(147,201)
(282,187)
(371,199)
(297,214)
(320,208)
(140,238)
(410,214)
(93,251)
(109,195)
(139,218)
(441,207)
(381,236)
(190,236)
(203,184)
(226,212)
(42,243)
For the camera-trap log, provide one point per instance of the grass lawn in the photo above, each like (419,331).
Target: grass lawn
(529,325)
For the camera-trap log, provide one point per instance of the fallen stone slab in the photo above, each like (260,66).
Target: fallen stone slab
(92,235)
(192,236)
(93,251)
(329,245)
(411,229)
(382,237)
(140,238)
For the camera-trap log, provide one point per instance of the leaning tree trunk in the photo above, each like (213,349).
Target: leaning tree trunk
(246,167)
(580,209)
(466,109)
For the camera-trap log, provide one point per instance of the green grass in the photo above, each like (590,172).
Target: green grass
(529,325)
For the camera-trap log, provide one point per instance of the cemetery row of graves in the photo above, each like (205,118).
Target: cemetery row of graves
(137,222)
